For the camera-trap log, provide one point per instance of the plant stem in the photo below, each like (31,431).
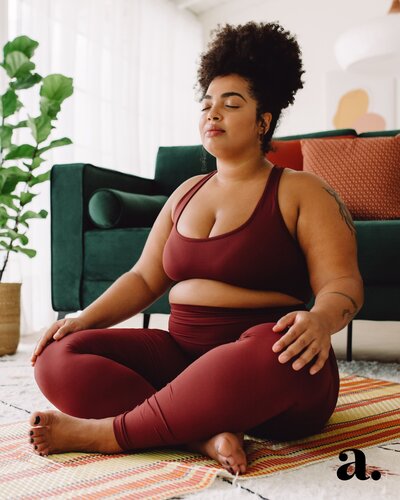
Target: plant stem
(4,266)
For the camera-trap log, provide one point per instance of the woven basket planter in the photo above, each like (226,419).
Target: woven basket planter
(9,317)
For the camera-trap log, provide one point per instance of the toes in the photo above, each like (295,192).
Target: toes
(37,432)
(42,448)
(35,418)
(37,436)
(39,418)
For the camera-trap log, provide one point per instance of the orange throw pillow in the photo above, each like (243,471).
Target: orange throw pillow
(365,172)
(286,154)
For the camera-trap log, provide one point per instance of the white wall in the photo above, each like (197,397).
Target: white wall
(317,24)
(3,38)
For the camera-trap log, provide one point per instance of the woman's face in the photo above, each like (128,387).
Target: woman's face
(228,126)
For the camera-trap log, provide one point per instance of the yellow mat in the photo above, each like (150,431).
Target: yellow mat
(368,413)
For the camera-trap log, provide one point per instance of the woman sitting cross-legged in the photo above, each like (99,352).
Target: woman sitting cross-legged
(246,247)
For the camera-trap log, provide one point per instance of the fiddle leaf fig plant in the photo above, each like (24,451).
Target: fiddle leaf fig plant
(20,164)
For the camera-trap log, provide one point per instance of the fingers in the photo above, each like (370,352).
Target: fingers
(46,338)
(296,342)
(316,367)
(304,338)
(310,351)
(285,322)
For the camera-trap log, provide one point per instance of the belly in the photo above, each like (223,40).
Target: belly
(218,294)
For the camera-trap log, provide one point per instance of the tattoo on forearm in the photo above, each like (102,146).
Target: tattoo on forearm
(348,315)
(347,312)
(348,297)
(343,210)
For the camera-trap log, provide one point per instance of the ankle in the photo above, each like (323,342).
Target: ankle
(104,436)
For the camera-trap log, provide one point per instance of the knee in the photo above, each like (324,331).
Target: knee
(257,341)
(51,362)
(48,362)
(261,334)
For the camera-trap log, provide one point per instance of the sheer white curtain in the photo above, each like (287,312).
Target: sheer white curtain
(134,67)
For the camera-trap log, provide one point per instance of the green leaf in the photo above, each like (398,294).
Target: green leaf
(22,44)
(26,81)
(13,235)
(27,251)
(9,104)
(8,200)
(10,177)
(55,144)
(25,198)
(22,124)
(3,216)
(39,178)
(23,151)
(22,175)
(7,246)
(5,136)
(55,88)
(29,214)
(40,127)
(17,64)
(36,162)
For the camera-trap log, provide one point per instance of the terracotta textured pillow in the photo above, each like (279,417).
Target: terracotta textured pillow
(365,172)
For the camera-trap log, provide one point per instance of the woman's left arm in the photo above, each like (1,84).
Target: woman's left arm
(327,236)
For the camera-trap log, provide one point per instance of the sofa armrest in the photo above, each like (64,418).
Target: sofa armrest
(71,187)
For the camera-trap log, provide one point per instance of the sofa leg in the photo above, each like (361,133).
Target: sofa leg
(146,320)
(349,341)
(62,314)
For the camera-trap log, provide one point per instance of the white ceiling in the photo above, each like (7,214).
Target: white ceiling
(198,7)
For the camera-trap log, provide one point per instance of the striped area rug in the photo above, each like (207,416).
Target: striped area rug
(368,413)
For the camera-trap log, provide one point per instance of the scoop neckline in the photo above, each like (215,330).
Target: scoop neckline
(233,231)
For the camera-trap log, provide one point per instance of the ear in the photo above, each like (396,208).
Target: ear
(266,121)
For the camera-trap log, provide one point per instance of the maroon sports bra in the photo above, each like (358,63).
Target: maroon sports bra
(261,254)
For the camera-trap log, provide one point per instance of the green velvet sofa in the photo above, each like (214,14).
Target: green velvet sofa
(100,220)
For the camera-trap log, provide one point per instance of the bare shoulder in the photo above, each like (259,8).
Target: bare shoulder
(312,193)
(301,184)
(182,189)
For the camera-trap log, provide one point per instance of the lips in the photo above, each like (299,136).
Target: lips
(210,132)
(213,128)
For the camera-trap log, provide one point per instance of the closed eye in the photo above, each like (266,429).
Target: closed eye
(226,105)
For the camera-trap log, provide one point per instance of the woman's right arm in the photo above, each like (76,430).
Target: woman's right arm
(132,292)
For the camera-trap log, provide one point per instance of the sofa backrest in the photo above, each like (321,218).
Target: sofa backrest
(175,164)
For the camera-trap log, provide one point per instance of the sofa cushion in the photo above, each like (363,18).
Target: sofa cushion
(286,151)
(365,172)
(110,208)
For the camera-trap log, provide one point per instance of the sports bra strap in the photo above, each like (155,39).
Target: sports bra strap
(184,200)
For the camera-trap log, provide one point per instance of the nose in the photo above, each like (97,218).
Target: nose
(213,114)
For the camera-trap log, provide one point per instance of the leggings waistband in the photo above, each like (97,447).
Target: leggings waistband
(192,309)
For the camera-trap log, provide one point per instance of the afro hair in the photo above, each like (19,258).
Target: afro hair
(265,55)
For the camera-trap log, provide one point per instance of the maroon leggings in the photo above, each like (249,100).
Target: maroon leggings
(214,371)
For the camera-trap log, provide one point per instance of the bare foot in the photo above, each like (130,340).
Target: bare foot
(56,432)
(226,448)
